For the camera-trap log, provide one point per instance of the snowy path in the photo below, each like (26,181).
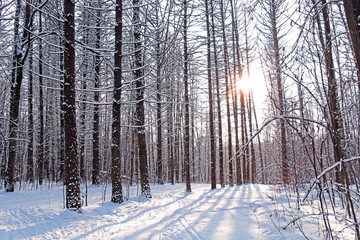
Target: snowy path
(231,213)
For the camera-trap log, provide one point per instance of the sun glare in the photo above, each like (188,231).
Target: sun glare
(245,83)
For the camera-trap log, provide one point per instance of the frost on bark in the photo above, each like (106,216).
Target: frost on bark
(116,194)
(72,175)
(139,117)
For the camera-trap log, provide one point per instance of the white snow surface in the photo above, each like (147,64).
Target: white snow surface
(241,212)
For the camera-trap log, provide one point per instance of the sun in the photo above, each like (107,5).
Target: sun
(245,83)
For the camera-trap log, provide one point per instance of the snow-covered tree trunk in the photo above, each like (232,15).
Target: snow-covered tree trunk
(20,53)
(72,175)
(139,117)
(116,194)
(187,107)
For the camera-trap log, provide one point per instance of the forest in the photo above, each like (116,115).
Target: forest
(149,93)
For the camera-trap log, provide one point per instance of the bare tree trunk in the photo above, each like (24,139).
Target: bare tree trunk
(140,89)
(41,157)
(262,169)
(228,93)
(159,160)
(171,141)
(281,97)
(96,126)
(211,111)
(16,80)
(30,153)
(116,194)
(234,95)
(72,176)
(352,11)
(62,123)
(252,148)
(244,137)
(252,162)
(334,109)
(187,107)
(217,79)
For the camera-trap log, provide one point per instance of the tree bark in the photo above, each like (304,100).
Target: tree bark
(187,103)
(234,95)
(352,11)
(30,153)
(140,110)
(96,126)
(280,95)
(159,160)
(228,92)
(41,157)
(217,80)
(19,58)
(334,109)
(116,194)
(72,176)
(211,111)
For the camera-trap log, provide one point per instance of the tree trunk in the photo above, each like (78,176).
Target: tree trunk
(159,160)
(334,109)
(228,93)
(187,107)
(211,111)
(234,96)
(352,11)
(41,150)
(19,58)
(116,194)
(30,153)
(72,176)
(96,126)
(140,89)
(217,80)
(281,97)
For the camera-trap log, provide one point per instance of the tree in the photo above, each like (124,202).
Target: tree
(236,70)
(117,195)
(96,125)
(139,117)
(30,162)
(228,91)
(211,111)
(20,50)
(352,11)
(159,159)
(41,157)
(271,31)
(217,81)
(187,107)
(72,175)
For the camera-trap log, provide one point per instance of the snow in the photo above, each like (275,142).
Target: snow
(241,212)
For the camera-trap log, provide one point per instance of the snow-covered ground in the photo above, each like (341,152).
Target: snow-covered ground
(242,212)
